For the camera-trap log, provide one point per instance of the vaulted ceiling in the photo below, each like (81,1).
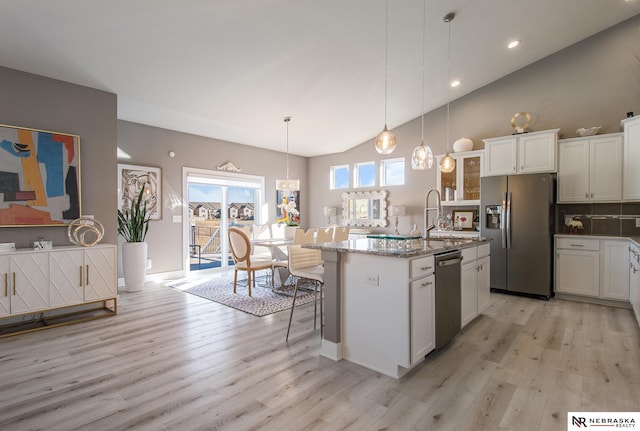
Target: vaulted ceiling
(233,69)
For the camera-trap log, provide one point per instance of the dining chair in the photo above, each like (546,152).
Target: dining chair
(306,264)
(261,231)
(324,234)
(341,233)
(302,237)
(243,260)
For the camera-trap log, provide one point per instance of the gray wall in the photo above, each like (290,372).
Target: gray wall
(592,83)
(41,103)
(151,145)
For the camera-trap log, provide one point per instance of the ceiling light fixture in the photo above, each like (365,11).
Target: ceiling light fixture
(513,44)
(385,142)
(422,157)
(288,185)
(448,164)
(455,83)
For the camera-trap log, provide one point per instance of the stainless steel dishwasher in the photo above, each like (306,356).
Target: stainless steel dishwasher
(447,296)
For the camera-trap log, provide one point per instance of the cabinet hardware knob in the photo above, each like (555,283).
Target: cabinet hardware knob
(428,283)
(80,275)
(424,268)
(87,275)
(577,245)
(14,283)
(6,284)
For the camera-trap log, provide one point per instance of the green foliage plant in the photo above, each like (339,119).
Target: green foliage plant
(133,222)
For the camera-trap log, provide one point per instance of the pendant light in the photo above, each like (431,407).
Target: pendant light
(422,157)
(448,164)
(288,185)
(385,142)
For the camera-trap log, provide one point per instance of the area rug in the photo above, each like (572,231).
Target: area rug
(262,302)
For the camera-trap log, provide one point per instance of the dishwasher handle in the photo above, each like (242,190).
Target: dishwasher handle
(450,262)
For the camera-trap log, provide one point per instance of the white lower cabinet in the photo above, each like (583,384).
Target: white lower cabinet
(64,276)
(423,332)
(474,282)
(592,267)
(615,272)
(634,279)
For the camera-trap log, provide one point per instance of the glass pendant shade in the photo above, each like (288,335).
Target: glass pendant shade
(422,158)
(385,141)
(447,164)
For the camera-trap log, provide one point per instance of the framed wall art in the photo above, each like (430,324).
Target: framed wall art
(287,205)
(39,177)
(463,219)
(132,178)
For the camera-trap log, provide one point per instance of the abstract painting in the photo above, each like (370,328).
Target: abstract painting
(132,179)
(288,204)
(39,177)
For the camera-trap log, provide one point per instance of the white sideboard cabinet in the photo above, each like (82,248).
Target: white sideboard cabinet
(47,280)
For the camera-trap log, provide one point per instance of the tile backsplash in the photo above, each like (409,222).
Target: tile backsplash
(613,219)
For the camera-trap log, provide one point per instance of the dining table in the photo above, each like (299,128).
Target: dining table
(278,248)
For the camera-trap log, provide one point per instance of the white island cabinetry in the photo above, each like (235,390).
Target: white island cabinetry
(475,284)
(388,311)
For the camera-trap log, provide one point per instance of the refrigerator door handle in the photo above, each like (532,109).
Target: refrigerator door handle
(508,221)
(503,231)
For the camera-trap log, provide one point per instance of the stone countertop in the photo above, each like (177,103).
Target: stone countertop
(420,247)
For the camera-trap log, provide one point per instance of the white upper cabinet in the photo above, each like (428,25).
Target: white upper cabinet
(590,169)
(521,154)
(631,172)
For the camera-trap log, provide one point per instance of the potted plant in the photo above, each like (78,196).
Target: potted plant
(133,225)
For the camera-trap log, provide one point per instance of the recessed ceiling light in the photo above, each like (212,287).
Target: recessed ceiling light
(513,44)
(455,83)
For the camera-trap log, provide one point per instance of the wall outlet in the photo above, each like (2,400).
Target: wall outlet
(372,279)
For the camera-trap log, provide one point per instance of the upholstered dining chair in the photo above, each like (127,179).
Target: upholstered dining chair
(244,261)
(325,234)
(341,233)
(302,237)
(306,264)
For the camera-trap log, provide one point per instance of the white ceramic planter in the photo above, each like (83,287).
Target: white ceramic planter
(134,265)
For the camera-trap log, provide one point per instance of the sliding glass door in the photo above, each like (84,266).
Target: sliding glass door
(216,201)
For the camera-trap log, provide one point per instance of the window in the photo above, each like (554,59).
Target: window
(339,177)
(365,174)
(392,172)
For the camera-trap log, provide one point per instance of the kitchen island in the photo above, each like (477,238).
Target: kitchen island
(380,302)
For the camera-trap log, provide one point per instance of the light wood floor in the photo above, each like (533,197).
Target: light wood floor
(173,361)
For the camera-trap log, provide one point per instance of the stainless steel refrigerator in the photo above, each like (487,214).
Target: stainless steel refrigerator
(517,213)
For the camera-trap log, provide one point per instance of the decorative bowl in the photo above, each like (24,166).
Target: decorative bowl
(588,132)
(462,144)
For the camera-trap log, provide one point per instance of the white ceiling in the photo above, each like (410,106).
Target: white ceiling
(233,69)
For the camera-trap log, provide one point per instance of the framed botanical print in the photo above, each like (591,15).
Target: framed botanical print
(132,179)
(39,177)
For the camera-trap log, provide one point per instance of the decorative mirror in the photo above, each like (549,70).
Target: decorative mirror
(367,209)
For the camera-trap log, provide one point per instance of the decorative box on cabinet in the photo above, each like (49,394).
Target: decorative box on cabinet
(631,173)
(521,154)
(590,169)
(462,185)
(46,280)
